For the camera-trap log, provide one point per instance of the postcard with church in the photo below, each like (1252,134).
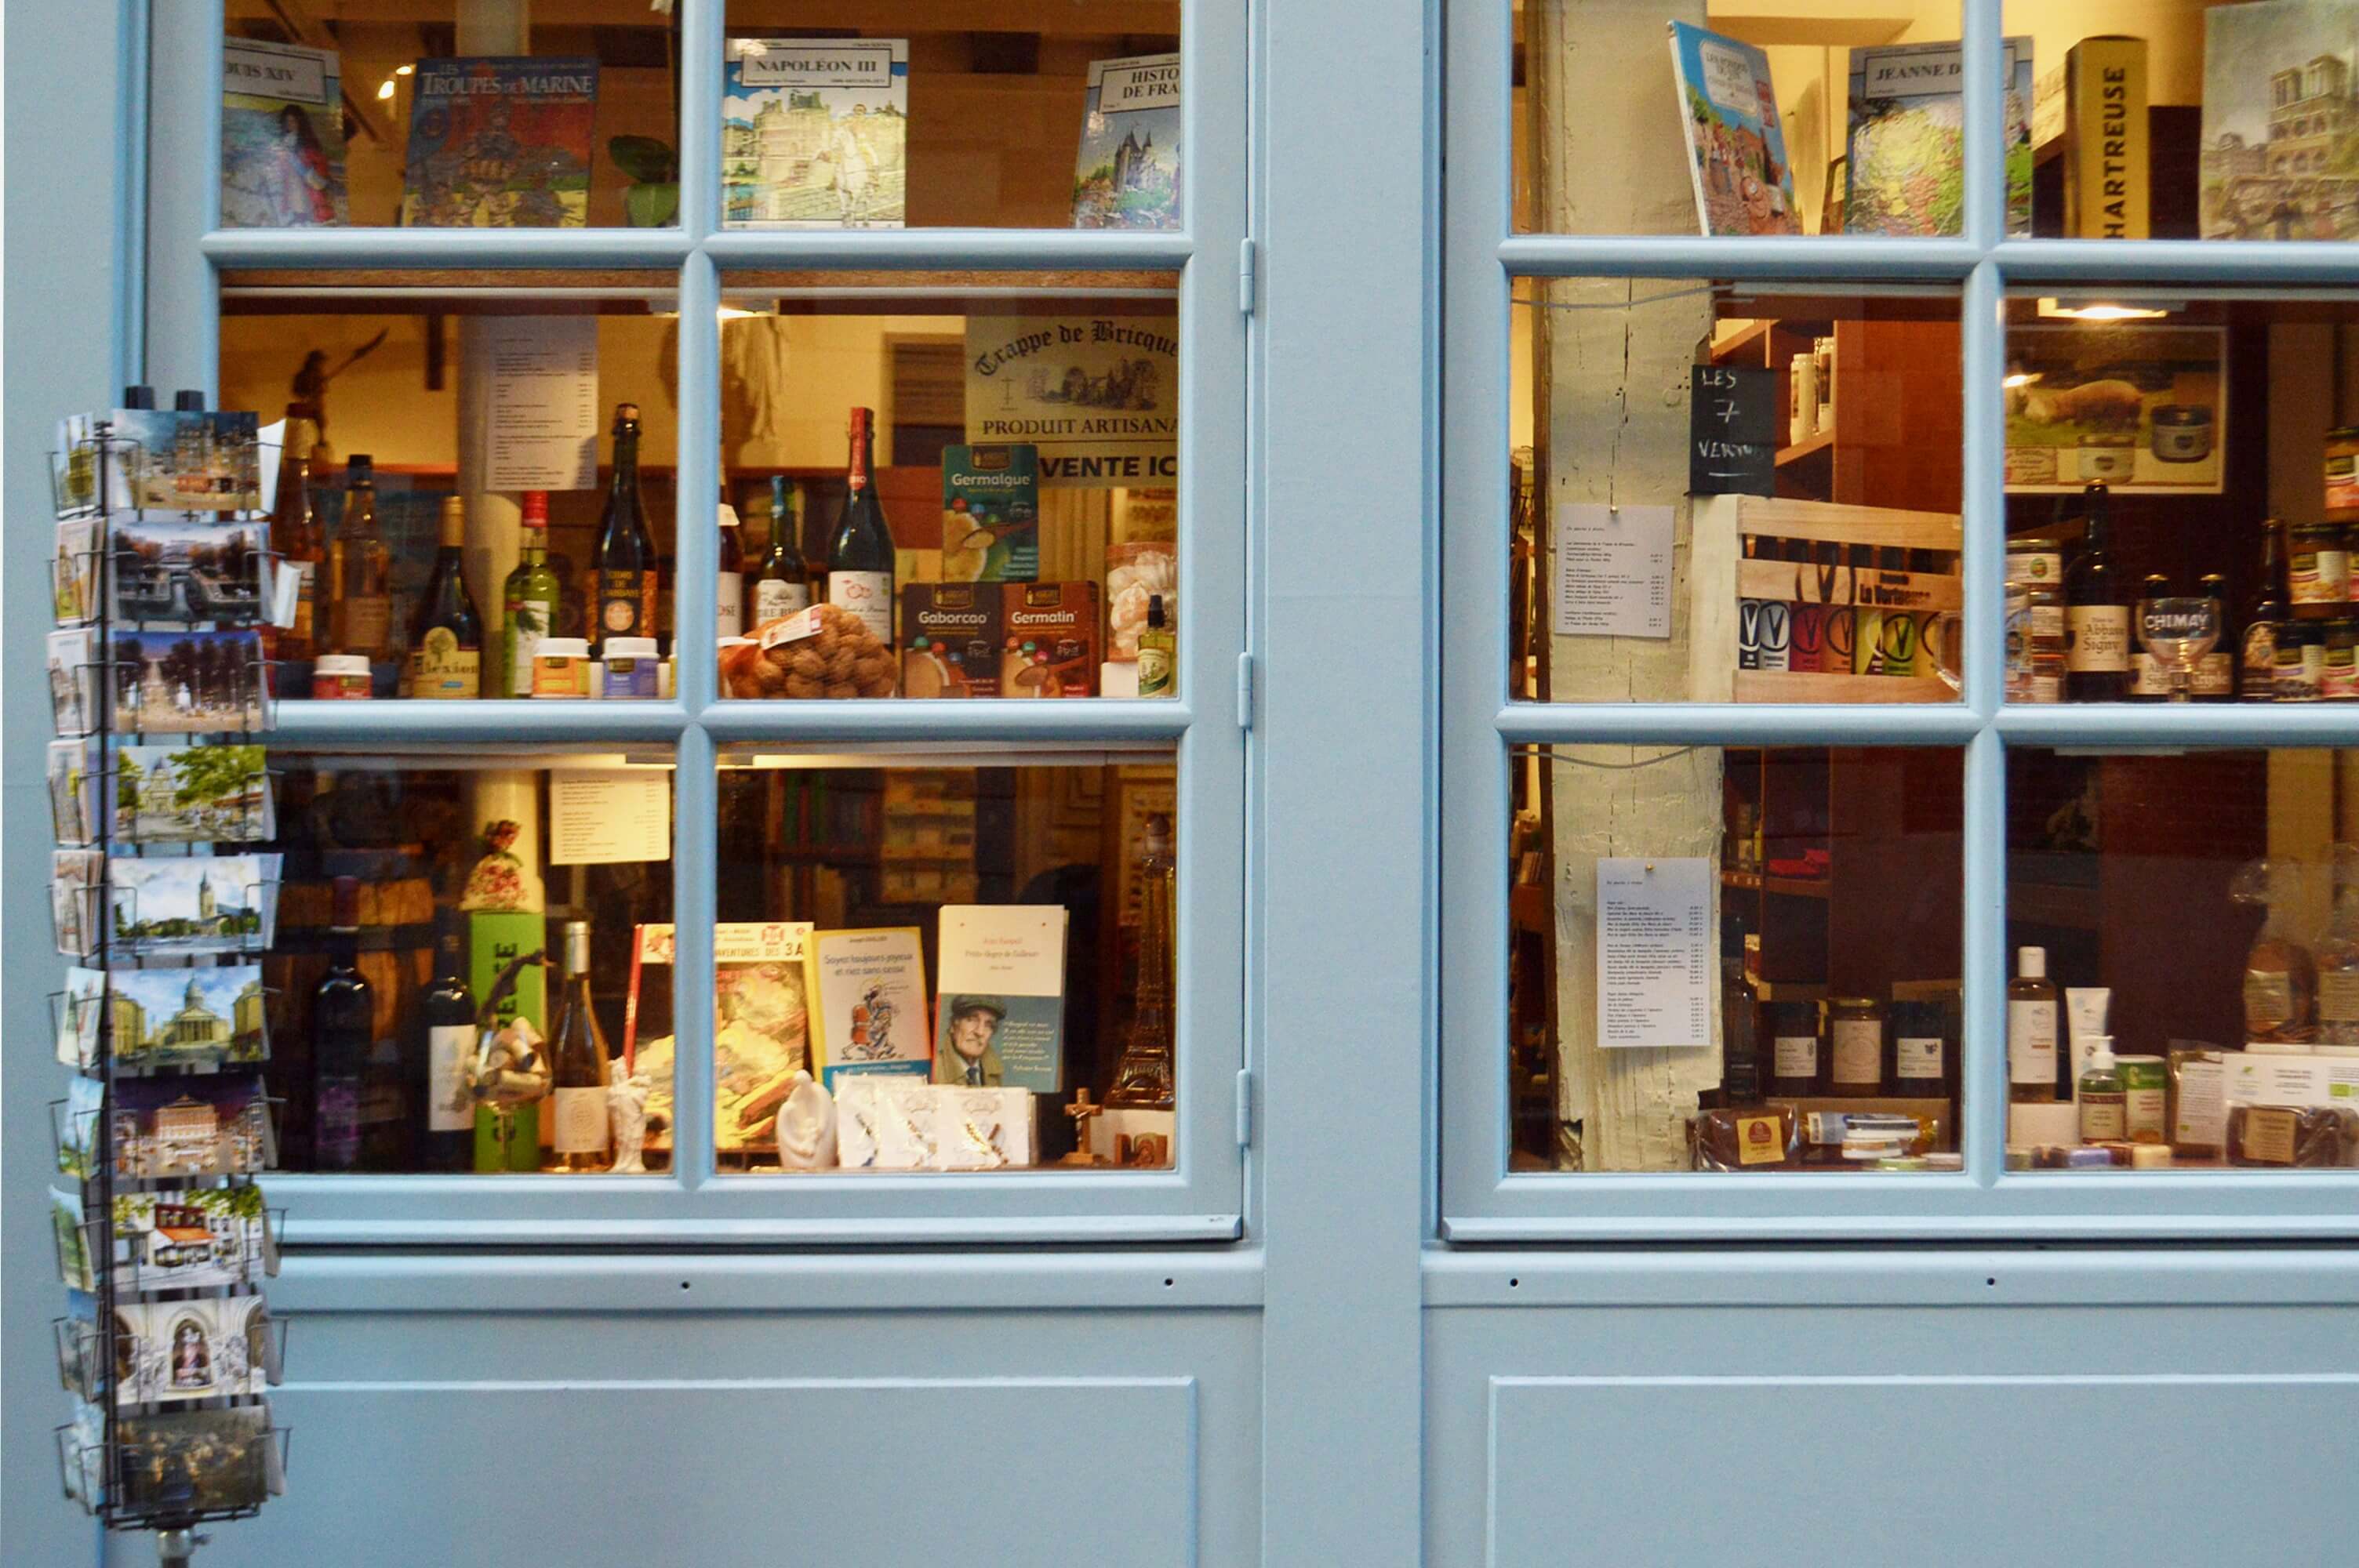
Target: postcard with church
(1127,174)
(814,133)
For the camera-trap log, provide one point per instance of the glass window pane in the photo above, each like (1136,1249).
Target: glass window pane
(965,954)
(1751,120)
(1735,492)
(482,387)
(1734,958)
(1038,116)
(429,113)
(457,870)
(2239,1046)
(1008,524)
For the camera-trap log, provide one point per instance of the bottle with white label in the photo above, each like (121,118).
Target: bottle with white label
(446,1020)
(729,612)
(2096,613)
(2031,1029)
(1793,1030)
(860,552)
(1855,1045)
(2104,1102)
(782,581)
(577,1059)
(1920,1050)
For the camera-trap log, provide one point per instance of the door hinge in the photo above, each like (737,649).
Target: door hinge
(1246,276)
(1244,1107)
(1245,691)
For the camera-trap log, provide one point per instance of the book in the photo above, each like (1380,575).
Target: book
(814,133)
(762,1034)
(1126,175)
(500,144)
(1736,146)
(2280,120)
(1001,986)
(282,136)
(867,993)
(1904,162)
(2096,103)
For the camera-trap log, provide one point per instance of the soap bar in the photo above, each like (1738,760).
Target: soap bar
(2286,1135)
(1748,1138)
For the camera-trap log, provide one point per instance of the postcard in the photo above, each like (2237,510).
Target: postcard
(167,461)
(81,1369)
(73,899)
(184,570)
(73,679)
(77,1127)
(71,1231)
(193,795)
(194,1239)
(76,570)
(78,1012)
(73,466)
(205,1017)
(193,904)
(74,791)
(192,1126)
(168,1352)
(202,1461)
(181,683)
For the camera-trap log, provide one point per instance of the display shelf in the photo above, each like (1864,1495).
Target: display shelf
(399,725)
(1806,685)
(1783,887)
(1819,445)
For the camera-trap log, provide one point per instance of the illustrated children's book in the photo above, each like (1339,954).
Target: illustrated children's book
(1128,175)
(500,144)
(1905,165)
(814,133)
(1736,147)
(282,136)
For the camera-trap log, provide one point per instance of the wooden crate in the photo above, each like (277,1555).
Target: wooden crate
(1721,575)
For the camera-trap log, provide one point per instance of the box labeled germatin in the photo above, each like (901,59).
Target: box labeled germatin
(1051,642)
(949,638)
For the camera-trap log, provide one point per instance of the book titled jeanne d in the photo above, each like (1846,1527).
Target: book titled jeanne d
(500,144)
(1736,146)
(1127,174)
(282,136)
(814,133)
(1000,1020)
(1905,161)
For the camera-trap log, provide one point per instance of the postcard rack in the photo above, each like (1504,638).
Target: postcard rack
(163,1237)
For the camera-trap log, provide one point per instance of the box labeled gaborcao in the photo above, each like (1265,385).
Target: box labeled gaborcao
(949,638)
(1050,640)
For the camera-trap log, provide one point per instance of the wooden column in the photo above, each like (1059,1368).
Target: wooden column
(1611,378)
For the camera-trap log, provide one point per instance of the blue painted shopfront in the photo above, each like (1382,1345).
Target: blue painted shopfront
(1340,1330)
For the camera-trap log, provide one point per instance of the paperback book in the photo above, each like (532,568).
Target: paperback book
(1002,986)
(500,144)
(1905,159)
(282,136)
(869,994)
(814,133)
(1127,173)
(2280,155)
(1736,146)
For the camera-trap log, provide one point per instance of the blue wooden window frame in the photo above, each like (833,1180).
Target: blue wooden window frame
(1480,1201)
(184,252)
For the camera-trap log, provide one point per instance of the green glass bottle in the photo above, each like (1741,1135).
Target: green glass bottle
(527,600)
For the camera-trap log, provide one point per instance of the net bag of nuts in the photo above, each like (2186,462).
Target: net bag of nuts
(825,651)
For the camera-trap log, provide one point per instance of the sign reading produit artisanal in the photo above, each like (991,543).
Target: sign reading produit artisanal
(1097,395)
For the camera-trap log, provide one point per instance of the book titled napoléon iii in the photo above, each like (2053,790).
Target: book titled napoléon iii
(814,133)
(500,144)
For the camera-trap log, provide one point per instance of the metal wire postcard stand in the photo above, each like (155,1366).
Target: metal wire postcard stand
(178,1346)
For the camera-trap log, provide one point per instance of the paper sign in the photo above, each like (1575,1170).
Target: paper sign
(1732,431)
(1612,570)
(1654,952)
(543,407)
(599,817)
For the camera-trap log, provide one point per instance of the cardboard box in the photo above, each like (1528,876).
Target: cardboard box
(2102,89)
(951,638)
(1051,641)
(991,513)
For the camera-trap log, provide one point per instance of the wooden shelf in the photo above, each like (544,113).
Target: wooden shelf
(1784,887)
(1810,685)
(1824,441)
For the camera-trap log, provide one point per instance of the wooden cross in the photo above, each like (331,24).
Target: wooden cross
(1081,1111)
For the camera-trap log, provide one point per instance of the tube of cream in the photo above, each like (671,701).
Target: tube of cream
(2085,1007)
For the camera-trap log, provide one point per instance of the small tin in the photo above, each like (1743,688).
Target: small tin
(632,667)
(2338,679)
(341,677)
(2182,433)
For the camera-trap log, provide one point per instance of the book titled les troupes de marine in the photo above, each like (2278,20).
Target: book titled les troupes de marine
(1126,175)
(1905,165)
(282,136)
(500,144)
(1736,146)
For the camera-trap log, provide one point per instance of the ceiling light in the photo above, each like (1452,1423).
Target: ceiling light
(387,89)
(2108,310)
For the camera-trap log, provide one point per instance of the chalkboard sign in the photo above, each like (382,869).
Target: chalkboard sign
(1732,431)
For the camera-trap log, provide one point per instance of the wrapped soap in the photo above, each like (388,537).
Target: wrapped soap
(2291,1136)
(1748,1138)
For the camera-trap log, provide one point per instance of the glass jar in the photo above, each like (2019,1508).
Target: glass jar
(2300,661)
(2320,570)
(2343,474)
(1855,1045)
(1923,1049)
(2338,679)
(1795,1064)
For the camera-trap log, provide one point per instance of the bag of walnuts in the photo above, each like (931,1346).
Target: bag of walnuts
(842,658)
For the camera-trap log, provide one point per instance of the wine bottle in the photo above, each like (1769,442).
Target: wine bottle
(444,1102)
(360,571)
(623,567)
(2257,651)
(528,599)
(729,570)
(295,537)
(577,1056)
(781,582)
(446,636)
(343,1013)
(860,556)
(2096,616)
(2215,672)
